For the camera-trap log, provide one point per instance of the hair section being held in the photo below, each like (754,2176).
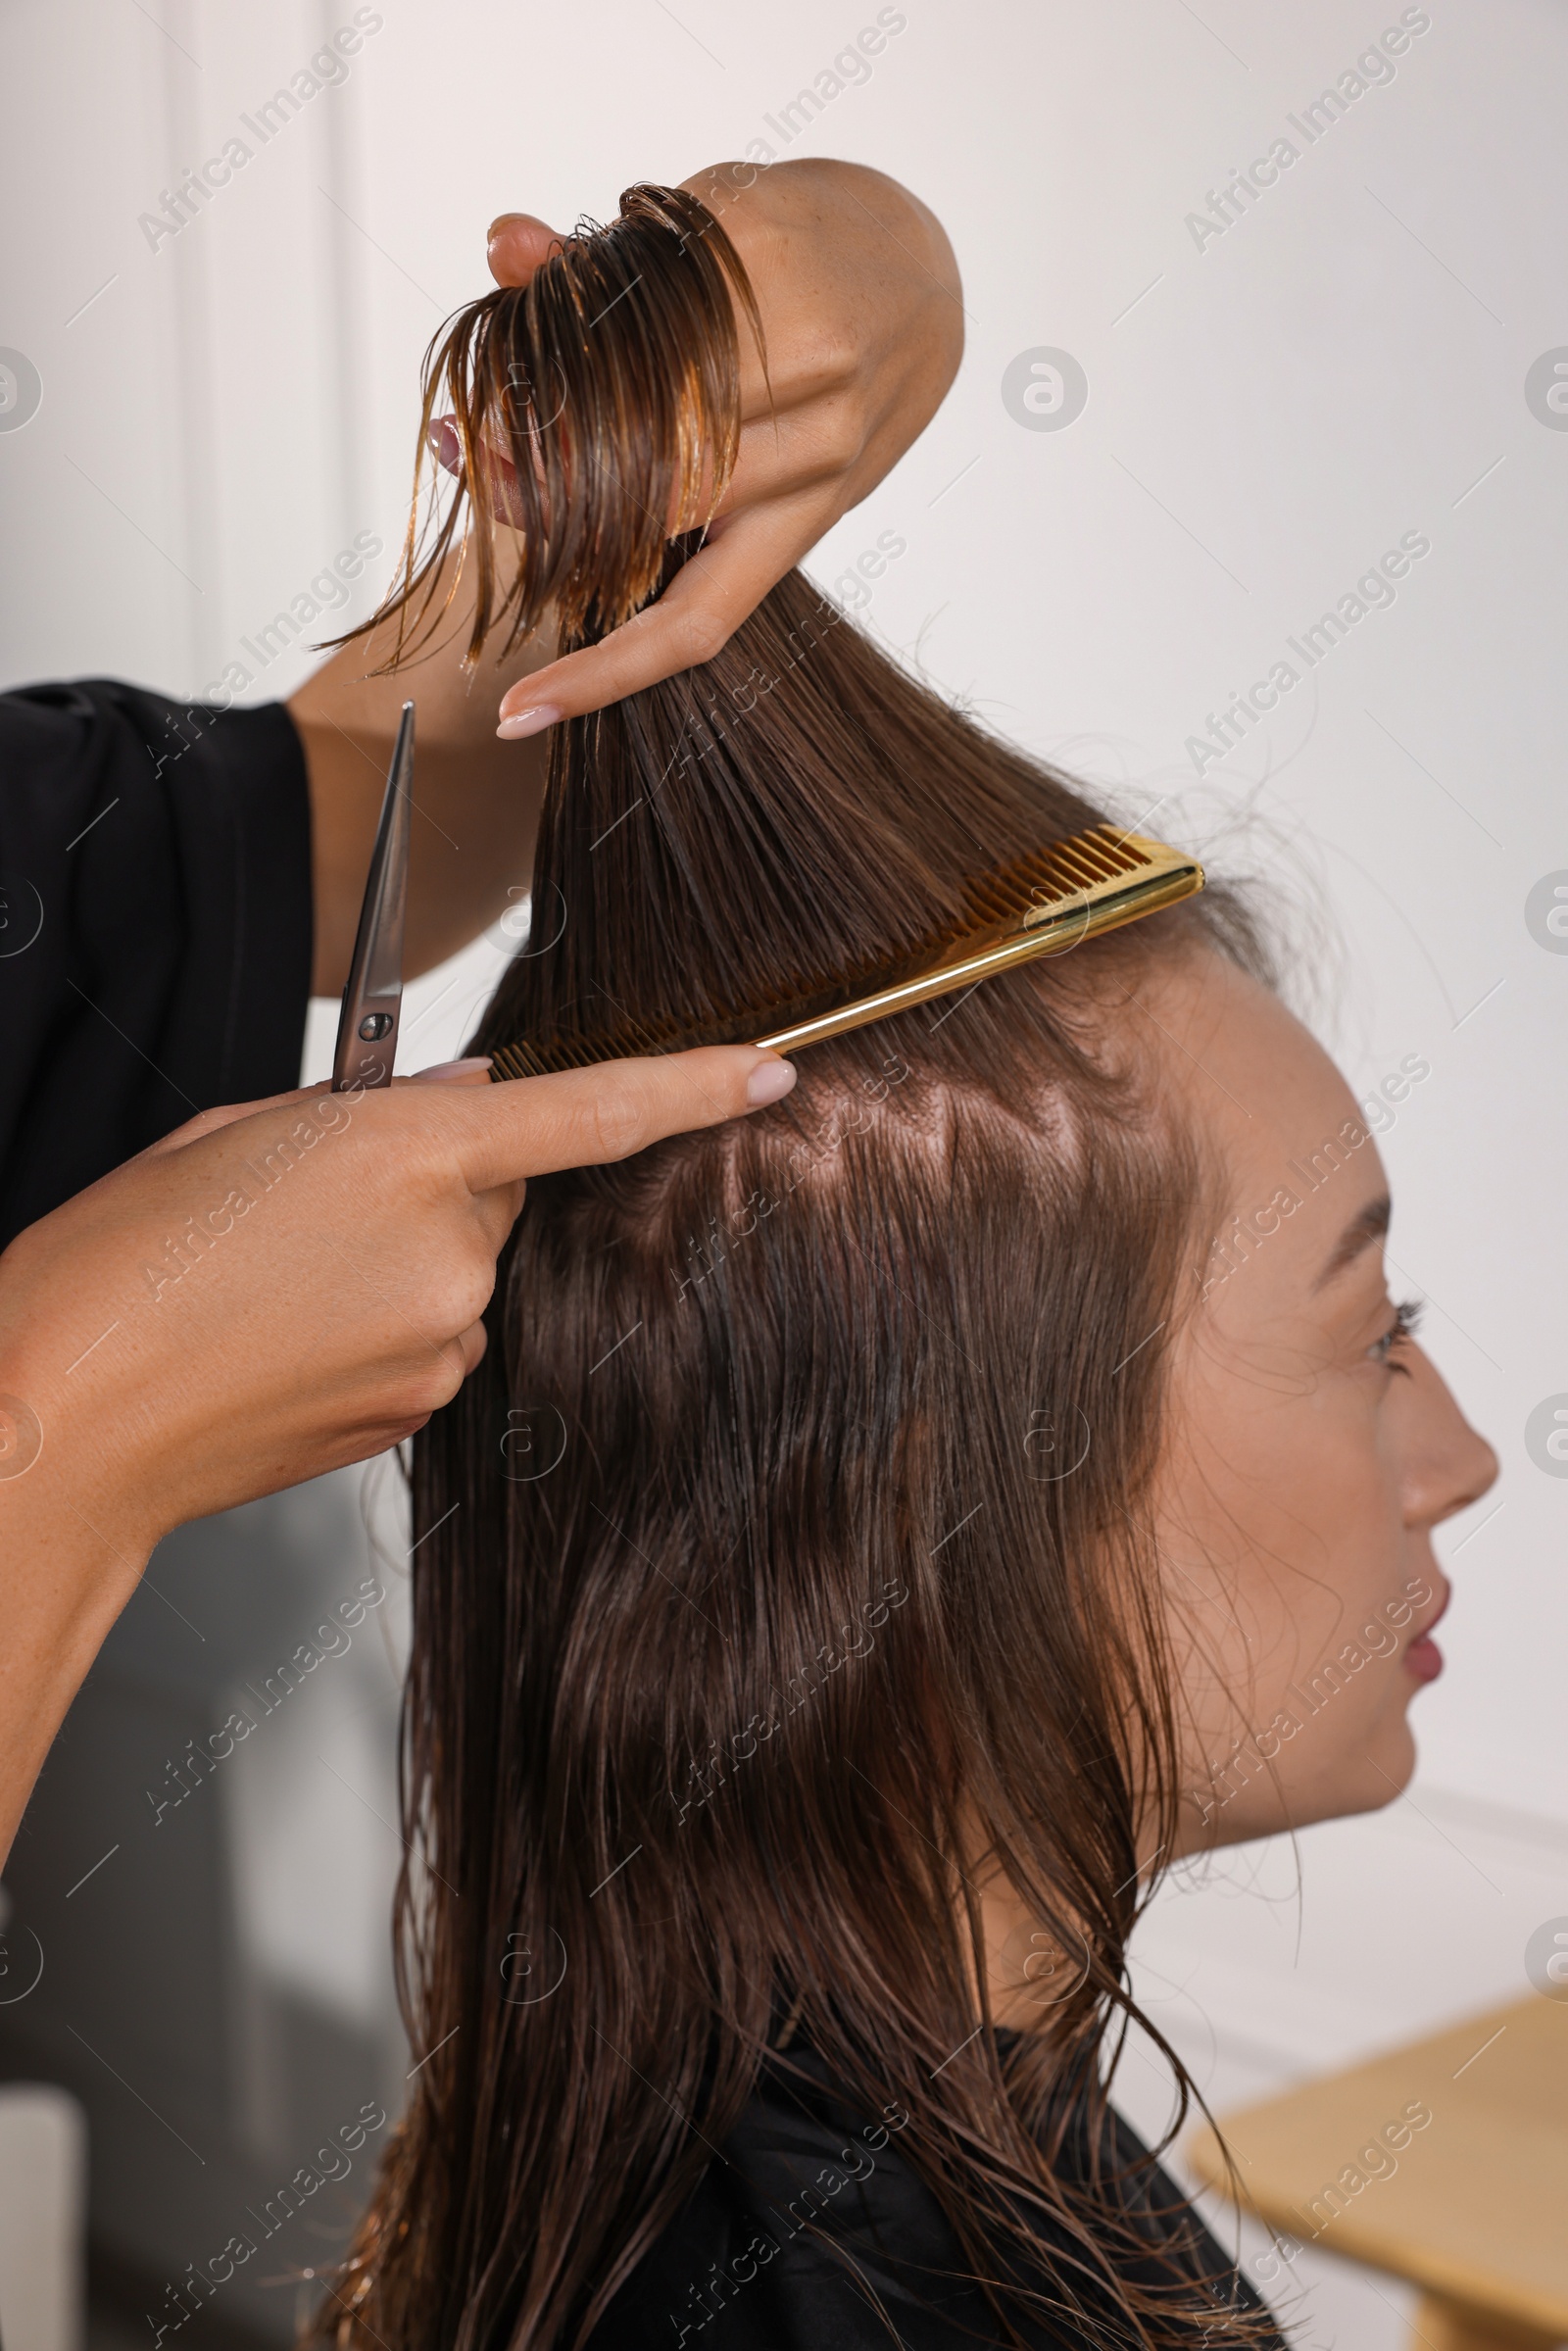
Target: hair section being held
(597,410)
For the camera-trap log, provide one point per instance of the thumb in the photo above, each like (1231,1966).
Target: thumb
(582,1117)
(515,246)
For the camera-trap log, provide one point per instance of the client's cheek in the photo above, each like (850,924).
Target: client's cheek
(1338,1522)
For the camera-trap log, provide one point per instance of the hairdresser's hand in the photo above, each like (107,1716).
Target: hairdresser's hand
(272,1292)
(863,318)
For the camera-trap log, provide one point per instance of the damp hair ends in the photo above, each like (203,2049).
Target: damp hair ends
(789,1548)
(594,440)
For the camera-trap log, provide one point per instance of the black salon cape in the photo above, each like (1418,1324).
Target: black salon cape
(155,925)
(751,2266)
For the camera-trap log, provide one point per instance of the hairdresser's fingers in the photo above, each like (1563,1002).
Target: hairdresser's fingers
(472,1071)
(813,446)
(473,1342)
(500,473)
(692,621)
(516,244)
(582,1117)
(208,1122)
(497,1211)
(815,442)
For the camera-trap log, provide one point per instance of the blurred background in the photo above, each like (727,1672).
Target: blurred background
(1195,412)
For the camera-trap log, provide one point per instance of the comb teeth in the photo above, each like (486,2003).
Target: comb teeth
(1044,877)
(1031,906)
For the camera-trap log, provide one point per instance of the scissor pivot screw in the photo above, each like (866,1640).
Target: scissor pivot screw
(374,1026)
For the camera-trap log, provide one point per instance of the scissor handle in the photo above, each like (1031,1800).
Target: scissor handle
(372,1000)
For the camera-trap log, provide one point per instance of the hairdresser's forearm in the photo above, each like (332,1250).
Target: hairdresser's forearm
(63,1579)
(476,800)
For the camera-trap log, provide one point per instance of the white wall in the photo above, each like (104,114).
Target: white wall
(1267,413)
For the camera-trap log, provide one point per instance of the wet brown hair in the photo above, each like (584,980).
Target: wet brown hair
(599,442)
(789,1554)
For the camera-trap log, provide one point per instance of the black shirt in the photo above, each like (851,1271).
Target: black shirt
(155,925)
(812,2217)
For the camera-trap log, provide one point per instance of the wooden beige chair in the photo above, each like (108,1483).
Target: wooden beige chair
(1444,2163)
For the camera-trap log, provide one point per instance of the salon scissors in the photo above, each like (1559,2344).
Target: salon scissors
(368,1025)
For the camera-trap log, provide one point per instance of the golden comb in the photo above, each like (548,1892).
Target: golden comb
(1040,904)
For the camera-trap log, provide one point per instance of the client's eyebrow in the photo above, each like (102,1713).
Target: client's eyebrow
(1369,1225)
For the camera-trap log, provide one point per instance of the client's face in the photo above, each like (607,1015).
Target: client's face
(1312,1445)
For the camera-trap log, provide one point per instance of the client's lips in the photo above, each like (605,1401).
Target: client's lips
(1423,1657)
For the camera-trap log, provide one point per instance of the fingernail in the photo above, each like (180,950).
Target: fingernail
(445,447)
(769,1081)
(438,1070)
(501,220)
(527,722)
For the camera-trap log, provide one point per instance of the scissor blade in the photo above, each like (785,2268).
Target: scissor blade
(372,1000)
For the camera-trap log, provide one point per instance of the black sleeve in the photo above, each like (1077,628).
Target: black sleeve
(155,924)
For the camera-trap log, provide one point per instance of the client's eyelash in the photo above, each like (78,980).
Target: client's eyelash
(1406,1321)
